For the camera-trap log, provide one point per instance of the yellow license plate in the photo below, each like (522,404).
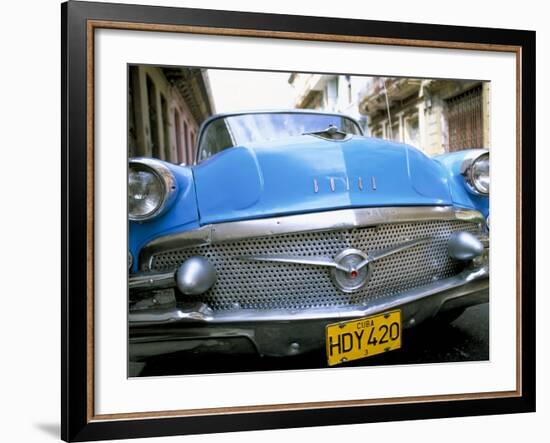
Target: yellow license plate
(364,337)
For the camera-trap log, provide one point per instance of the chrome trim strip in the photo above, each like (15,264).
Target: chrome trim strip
(152,280)
(372,256)
(469,280)
(313,261)
(192,312)
(383,253)
(318,221)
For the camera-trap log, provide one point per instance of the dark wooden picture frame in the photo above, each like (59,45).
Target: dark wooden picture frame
(79,21)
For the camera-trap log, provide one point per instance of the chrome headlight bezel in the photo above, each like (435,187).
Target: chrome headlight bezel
(468,170)
(166,179)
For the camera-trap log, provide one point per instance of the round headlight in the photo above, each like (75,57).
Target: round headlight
(476,172)
(151,187)
(480,174)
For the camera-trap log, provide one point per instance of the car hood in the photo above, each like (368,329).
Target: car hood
(308,174)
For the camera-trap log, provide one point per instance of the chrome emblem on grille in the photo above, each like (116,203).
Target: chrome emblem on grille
(353,271)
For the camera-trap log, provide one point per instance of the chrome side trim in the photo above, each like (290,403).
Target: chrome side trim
(318,221)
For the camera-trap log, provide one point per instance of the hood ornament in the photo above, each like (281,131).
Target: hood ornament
(332,133)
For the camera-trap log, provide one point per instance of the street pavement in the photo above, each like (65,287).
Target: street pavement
(465,339)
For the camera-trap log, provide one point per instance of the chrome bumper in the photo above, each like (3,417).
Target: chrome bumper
(283,332)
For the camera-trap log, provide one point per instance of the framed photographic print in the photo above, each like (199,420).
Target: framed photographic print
(279,221)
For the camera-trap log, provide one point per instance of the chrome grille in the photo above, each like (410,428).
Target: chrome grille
(267,285)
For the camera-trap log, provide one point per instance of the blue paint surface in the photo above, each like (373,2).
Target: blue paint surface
(276,178)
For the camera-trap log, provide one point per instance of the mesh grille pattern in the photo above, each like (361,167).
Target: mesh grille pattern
(267,285)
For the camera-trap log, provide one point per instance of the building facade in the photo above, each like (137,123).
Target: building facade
(331,93)
(166,106)
(436,116)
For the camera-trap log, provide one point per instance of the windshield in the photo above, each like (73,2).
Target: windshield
(234,130)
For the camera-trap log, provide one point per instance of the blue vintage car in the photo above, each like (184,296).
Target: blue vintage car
(294,232)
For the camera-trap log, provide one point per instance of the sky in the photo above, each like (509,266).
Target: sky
(249,90)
